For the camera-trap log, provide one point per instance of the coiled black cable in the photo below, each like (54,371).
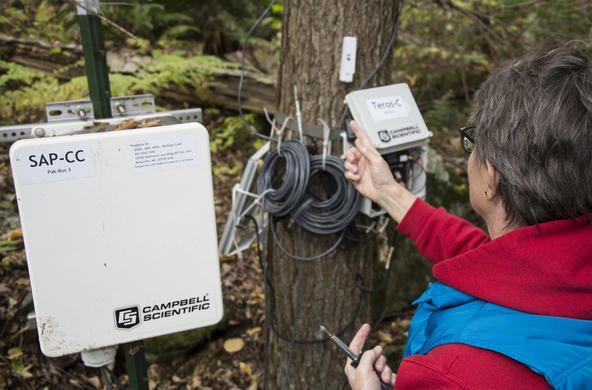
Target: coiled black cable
(338,211)
(295,174)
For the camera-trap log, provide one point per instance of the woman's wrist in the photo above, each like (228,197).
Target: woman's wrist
(396,200)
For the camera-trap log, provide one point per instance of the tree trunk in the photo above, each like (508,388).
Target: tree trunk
(312,37)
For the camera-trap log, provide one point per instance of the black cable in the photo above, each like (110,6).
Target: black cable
(114,378)
(105,378)
(266,282)
(370,76)
(329,216)
(300,258)
(296,312)
(242,75)
(388,47)
(270,308)
(338,211)
(381,62)
(296,171)
(371,290)
(317,341)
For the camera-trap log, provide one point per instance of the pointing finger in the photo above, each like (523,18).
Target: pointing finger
(363,143)
(358,341)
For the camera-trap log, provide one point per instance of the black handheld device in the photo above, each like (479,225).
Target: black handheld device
(354,358)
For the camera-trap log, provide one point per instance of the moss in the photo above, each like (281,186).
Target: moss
(174,344)
(24,92)
(177,343)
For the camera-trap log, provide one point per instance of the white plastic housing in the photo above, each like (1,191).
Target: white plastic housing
(348,59)
(120,235)
(390,117)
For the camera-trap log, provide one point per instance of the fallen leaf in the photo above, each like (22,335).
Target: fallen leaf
(22,281)
(94,381)
(14,353)
(404,323)
(254,330)
(25,372)
(233,345)
(385,337)
(245,369)
(16,234)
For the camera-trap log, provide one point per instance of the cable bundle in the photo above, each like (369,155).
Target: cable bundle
(281,201)
(327,216)
(336,212)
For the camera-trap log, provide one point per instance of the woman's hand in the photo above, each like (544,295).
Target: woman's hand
(366,168)
(372,177)
(372,364)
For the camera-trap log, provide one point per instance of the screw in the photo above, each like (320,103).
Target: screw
(81,112)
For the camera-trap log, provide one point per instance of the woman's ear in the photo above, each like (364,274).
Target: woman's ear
(491,180)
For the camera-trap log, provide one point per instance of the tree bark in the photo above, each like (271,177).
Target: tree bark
(312,37)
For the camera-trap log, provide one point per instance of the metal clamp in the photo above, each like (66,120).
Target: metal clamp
(74,110)
(132,105)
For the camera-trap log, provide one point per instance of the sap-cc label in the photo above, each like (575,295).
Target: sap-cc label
(47,163)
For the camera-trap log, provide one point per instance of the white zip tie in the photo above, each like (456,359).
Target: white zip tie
(258,198)
(267,117)
(279,133)
(369,228)
(384,225)
(326,142)
(298,114)
(389,257)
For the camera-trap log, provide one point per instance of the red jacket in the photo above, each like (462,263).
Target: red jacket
(541,270)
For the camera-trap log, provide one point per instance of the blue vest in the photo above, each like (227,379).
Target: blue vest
(556,347)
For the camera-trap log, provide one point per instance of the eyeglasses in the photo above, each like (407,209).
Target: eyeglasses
(467,140)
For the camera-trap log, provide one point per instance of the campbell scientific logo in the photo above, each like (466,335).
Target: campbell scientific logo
(127,317)
(384,135)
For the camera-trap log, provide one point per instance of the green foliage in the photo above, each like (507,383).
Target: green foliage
(446,49)
(152,20)
(35,19)
(233,133)
(7,246)
(444,112)
(275,18)
(23,92)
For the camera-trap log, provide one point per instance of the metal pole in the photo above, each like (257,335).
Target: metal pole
(97,75)
(95,58)
(135,361)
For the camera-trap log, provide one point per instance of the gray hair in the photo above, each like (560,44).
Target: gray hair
(533,121)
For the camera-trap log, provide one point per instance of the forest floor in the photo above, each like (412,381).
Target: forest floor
(232,358)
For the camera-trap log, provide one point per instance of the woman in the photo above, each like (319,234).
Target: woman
(511,309)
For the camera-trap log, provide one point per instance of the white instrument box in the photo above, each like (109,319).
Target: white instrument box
(120,235)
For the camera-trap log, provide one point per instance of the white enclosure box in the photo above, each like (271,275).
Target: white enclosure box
(120,235)
(390,116)
(395,126)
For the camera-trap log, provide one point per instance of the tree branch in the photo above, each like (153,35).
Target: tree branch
(102,17)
